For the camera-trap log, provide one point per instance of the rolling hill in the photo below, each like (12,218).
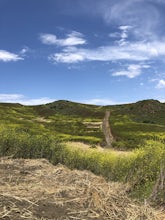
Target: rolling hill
(52,131)
(70,121)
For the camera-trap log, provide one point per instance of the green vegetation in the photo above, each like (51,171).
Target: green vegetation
(52,120)
(41,131)
(140,168)
(131,124)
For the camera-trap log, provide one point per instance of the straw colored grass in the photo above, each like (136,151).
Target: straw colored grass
(35,189)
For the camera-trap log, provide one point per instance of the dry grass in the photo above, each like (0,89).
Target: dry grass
(42,119)
(35,189)
(83,146)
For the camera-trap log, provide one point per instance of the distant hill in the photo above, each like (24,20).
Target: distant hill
(131,123)
(70,108)
(146,111)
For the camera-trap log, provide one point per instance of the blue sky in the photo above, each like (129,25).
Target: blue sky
(91,51)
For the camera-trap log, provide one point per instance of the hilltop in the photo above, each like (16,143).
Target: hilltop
(70,121)
(72,134)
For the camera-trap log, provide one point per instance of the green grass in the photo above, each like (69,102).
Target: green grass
(53,120)
(140,168)
(40,131)
(131,124)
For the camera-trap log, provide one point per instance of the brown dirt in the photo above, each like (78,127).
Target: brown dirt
(107,129)
(35,189)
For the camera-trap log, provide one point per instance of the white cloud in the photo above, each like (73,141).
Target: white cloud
(18,98)
(72,39)
(114,35)
(106,53)
(135,51)
(38,101)
(48,39)
(24,50)
(10,97)
(161,84)
(132,71)
(66,58)
(125,27)
(162,100)
(142,14)
(124,35)
(6,56)
(99,102)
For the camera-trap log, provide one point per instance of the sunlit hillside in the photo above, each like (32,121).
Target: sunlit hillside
(71,133)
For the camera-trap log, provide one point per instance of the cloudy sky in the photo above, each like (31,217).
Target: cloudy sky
(91,51)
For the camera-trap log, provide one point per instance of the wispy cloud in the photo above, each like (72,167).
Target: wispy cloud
(10,97)
(162,100)
(115,35)
(124,34)
(132,51)
(160,84)
(66,57)
(99,101)
(132,71)
(136,39)
(141,14)
(72,39)
(19,98)
(6,56)
(24,50)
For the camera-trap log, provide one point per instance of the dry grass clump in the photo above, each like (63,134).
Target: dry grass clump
(35,189)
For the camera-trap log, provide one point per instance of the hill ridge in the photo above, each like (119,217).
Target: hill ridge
(72,121)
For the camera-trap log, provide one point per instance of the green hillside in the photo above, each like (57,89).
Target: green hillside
(137,155)
(131,124)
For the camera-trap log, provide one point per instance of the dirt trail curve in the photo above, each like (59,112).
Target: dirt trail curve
(107,130)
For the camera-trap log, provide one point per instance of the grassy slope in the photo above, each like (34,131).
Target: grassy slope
(142,124)
(65,120)
(131,123)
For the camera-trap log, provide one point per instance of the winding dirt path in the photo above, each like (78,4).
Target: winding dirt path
(107,130)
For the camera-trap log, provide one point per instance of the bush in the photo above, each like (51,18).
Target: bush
(141,168)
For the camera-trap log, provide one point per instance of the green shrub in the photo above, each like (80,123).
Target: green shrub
(141,168)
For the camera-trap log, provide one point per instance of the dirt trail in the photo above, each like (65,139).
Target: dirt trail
(107,130)
(35,189)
